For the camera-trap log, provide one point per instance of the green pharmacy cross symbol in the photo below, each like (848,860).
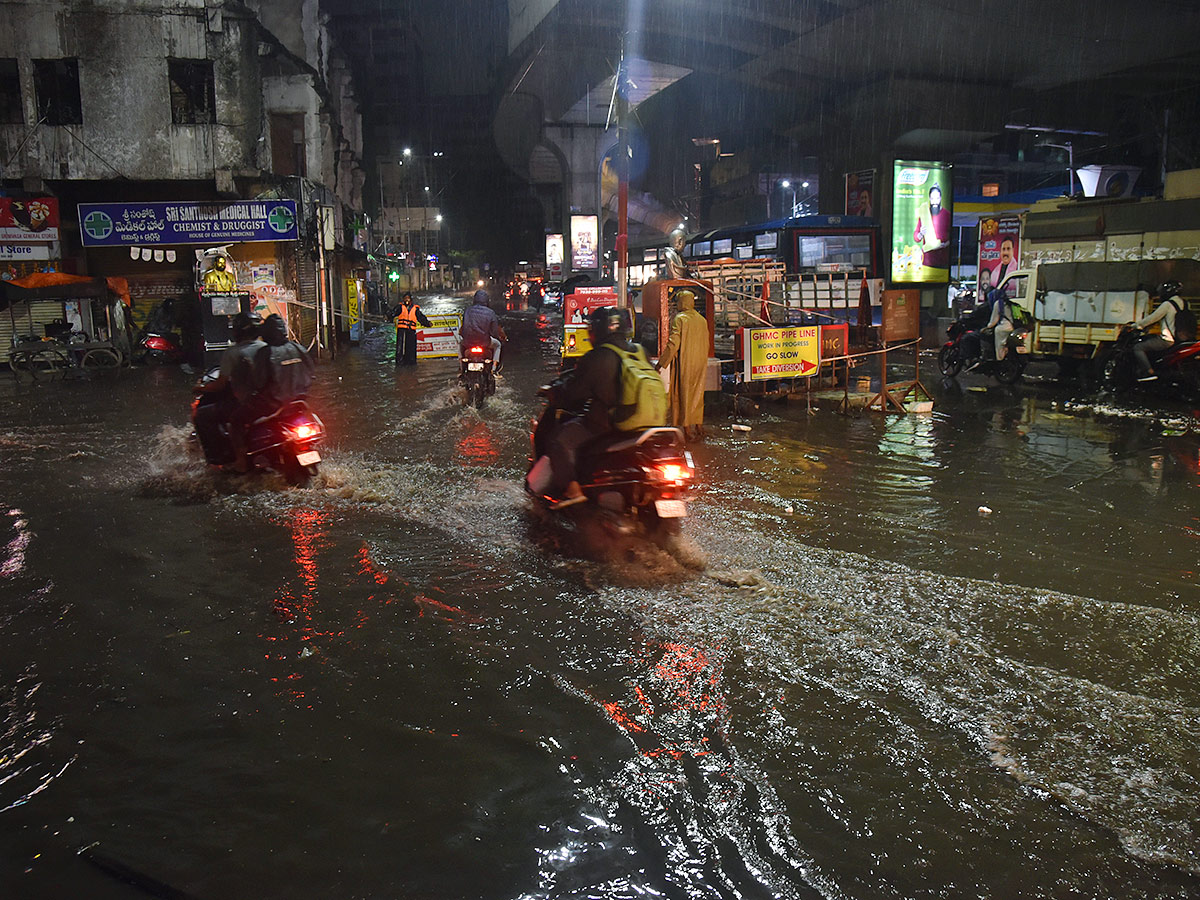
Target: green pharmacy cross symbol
(98,225)
(281,219)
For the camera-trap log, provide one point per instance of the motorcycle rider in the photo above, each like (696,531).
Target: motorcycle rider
(1170,303)
(597,387)
(480,326)
(234,385)
(1000,323)
(283,370)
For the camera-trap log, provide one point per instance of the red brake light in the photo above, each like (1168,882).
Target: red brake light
(476,350)
(306,430)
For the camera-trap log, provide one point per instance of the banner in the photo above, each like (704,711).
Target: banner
(121,224)
(999,249)
(585,243)
(793,352)
(28,220)
(440,339)
(353,313)
(860,193)
(901,316)
(577,307)
(922,222)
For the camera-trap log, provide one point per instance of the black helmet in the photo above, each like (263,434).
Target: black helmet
(274,330)
(481,296)
(1169,289)
(246,323)
(606,325)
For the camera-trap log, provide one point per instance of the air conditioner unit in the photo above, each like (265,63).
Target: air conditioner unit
(1108,181)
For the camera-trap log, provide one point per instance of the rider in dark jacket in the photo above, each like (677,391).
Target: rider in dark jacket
(480,327)
(592,387)
(283,371)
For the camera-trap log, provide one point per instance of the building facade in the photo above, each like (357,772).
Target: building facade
(205,101)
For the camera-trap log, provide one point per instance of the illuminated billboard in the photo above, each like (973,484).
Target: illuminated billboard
(922,222)
(554,250)
(585,240)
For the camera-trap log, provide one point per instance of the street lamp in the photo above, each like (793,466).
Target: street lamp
(1070,162)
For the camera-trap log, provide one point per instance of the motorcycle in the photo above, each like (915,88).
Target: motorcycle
(633,479)
(1178,369)
(476,374)
(969,348)
(153,348)
(285,441)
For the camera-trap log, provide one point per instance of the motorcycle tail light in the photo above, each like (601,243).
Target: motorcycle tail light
(476,350)
(305,430)
(671,472)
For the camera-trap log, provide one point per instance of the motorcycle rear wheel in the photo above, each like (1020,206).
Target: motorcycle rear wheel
(478,393)
(1010,369)
(296,474)
(950,361)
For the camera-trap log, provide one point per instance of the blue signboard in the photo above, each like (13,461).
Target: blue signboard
(141,224)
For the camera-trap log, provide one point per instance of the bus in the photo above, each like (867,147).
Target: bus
(804,244)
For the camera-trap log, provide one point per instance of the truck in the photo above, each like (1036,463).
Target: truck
(1091,265)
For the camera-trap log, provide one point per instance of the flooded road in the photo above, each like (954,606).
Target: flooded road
(848,681)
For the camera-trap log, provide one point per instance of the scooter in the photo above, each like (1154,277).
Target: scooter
(476,374)
(974,350)
(1178,369)
(636,480)
(154,349)
(285,441)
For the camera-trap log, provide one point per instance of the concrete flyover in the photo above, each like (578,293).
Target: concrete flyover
(852,83)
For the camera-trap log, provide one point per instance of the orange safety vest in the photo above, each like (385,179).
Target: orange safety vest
(407,317)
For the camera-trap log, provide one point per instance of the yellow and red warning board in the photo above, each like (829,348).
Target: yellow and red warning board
(792,351)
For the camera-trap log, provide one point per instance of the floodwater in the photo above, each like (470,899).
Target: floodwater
(848,680)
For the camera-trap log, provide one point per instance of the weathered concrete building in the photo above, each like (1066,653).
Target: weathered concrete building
(105,101)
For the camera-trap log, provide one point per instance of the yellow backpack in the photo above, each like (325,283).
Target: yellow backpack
(642,399)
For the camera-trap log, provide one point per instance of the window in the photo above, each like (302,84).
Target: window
(56,86)
(193,97)
(11,112)
(287,144)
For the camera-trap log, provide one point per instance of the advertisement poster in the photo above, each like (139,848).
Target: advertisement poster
(585,243)
(28,220)
(860,193)
(353,312)
(577,307)
(440,339)
(922,222)
(999,249)
(554,250)
(793,352)
(121,224)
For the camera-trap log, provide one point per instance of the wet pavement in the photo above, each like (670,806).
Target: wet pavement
(848,680)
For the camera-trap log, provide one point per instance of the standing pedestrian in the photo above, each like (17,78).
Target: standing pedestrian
(408,317)
(687,355)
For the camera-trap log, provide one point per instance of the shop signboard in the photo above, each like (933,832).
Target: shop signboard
(835,341)
(28,220)
(440,339)
(10,252)
(585,242)
(999,248)
(901,315)
(922,222)
(860,193)
(791,352)
(239,221)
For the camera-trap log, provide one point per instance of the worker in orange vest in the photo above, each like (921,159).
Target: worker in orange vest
(408,317)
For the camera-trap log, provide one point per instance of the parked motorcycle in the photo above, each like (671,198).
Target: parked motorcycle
(285,441)
(635,479)
(476,375)
(156,349)
(1178,369)
(975,351)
